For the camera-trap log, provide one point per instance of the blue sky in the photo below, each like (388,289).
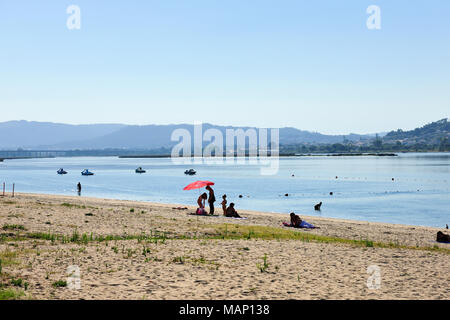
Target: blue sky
(313,65)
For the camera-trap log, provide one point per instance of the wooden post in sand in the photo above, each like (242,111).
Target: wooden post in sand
(13,189)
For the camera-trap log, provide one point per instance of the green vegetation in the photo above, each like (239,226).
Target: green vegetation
(70,205)
(8,258)
(263,267)
(8,202)
(431,137)
(13,227)
(146,250)
(59,284)
(272,233)
(10,294)
(179,260)
(19,283)
(224,231)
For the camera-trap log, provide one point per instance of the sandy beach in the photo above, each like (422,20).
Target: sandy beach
(139,250)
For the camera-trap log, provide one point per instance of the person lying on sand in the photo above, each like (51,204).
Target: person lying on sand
(201,204)
(297,222)
(231,212)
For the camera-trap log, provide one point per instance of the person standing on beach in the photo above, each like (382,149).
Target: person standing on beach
(211,199)
(79,188)
(224,204)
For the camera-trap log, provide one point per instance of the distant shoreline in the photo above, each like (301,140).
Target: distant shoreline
(282,155)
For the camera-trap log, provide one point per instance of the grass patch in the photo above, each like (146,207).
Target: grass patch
(19,283)
(10,294)
(218,232)
(238,232)
(8,202)
(13,227)
(71,205)
(153,236)
(263,267)
(8,258)
(59,284)
(179,260)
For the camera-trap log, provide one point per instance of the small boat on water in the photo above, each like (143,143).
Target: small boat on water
(61,171)
(190,172)
(140,170)
(86,172)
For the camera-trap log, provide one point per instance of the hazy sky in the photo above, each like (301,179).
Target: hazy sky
(313,65)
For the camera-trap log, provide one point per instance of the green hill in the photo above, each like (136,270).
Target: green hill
(435,133)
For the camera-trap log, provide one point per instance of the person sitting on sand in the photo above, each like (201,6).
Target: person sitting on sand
(442,237)
(201,203)
(224,204)
(231,212)
(297,222)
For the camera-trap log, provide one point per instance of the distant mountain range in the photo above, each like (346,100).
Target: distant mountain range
(56,136)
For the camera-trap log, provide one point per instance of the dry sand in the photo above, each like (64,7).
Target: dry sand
(199,268)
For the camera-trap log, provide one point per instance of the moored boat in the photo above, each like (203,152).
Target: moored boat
(190,172)
(86,172)
(140,170)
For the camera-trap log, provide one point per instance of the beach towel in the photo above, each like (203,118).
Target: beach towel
(303,224)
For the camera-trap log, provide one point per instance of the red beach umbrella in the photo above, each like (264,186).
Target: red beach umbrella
(198,185)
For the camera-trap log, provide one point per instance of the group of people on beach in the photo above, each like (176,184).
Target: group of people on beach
(230,211)
(211,198)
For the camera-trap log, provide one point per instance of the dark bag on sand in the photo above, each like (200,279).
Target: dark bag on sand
(442,237)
